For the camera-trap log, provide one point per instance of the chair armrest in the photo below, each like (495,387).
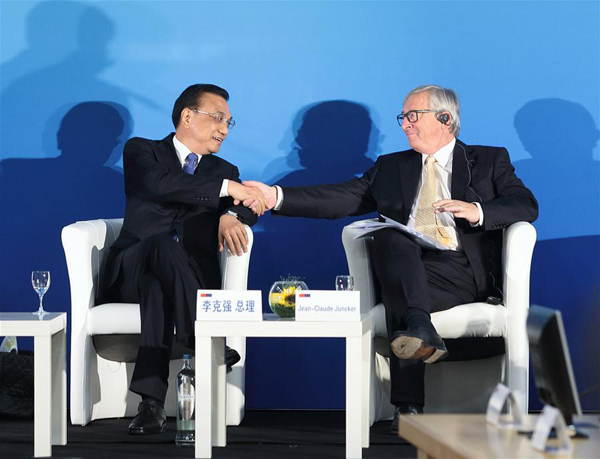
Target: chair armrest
(82,242)
(519,240)
(86,244)
(359,265)
(234,275)
(234,269)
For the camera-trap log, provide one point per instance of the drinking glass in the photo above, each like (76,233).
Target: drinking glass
(40,280)
(344,283)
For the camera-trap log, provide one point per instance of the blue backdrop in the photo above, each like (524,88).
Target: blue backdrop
(315,88)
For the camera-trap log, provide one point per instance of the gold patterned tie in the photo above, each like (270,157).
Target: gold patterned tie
(426,220)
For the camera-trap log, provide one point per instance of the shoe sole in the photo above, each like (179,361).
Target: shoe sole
(438,354)
(412,348)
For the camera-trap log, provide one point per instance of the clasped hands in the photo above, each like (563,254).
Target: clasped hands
(255,195)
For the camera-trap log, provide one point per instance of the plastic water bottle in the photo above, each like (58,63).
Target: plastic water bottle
(186,404)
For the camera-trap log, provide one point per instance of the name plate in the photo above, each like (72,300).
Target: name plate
(327,306)
(229,305)
(552,417)
(498,399)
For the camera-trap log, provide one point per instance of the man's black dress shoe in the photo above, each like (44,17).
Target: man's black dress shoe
(231,357)
(403,409)
(151,419)
(418,343)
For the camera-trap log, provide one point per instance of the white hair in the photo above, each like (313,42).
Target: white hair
(441,100)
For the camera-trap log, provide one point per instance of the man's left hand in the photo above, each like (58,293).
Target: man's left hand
(232,231)
(460,209)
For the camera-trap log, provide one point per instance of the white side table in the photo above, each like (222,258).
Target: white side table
(210,377)
(50,374)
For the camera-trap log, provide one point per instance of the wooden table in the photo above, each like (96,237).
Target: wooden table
(210,382)
(463,436)
(50,374)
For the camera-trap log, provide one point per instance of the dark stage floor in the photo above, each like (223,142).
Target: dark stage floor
(262,434)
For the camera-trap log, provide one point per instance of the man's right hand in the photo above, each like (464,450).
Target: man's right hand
(269,192)
(248,196)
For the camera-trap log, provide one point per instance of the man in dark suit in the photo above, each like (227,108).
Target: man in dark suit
(461,196)
(182,204)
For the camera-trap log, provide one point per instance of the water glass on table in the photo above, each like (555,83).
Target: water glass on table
(40,280)
(344,283)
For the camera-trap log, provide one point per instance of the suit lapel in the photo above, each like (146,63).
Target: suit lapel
(460,170)
(207,166)
(166,153)
(410,166)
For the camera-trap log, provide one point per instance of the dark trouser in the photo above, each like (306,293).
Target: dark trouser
(157,273)
(410,276)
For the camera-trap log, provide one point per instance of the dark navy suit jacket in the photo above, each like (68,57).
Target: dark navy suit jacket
(479,173)
(161,198)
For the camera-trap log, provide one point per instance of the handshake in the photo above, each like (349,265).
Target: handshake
(255,195)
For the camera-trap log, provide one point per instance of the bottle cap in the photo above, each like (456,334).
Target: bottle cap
(187,356)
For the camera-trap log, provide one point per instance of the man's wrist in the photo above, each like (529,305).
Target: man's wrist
(233,214)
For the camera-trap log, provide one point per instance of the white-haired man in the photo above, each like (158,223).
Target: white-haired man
(461,195)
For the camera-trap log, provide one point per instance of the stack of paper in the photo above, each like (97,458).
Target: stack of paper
(365,228)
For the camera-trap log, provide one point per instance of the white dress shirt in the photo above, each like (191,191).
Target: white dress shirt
(182,154)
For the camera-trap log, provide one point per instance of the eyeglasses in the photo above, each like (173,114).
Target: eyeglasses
(218,117)
(412,115)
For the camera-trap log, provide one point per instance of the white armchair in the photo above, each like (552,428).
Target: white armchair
(458,386)
(104,338)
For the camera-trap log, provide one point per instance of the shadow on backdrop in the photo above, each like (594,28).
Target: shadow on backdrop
(42,95)
(67,50)
(331,141)
(560,136)
(40,196)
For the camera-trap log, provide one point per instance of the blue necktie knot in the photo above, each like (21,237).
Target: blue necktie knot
(189,166)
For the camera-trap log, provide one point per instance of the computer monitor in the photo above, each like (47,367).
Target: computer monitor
(551,361)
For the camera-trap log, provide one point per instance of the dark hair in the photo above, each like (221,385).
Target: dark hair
(190,98)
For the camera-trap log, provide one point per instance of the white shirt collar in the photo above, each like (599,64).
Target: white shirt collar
(183,151)
(443,155)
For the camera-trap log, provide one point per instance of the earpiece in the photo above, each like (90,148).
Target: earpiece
(443,118)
